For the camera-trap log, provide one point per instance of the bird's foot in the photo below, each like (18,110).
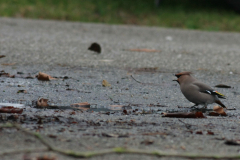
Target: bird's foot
(194,106)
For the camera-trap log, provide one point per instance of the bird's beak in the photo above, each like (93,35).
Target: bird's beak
(175,80)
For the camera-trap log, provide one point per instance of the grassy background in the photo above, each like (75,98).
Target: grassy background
(213,15)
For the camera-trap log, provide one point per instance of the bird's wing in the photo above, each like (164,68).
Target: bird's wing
(207,89)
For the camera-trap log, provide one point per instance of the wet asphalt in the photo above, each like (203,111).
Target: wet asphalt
(60,49)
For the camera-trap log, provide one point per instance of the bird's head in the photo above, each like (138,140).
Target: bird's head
(178,75)
(181,76)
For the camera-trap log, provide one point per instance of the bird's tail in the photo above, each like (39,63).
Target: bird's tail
(220,103)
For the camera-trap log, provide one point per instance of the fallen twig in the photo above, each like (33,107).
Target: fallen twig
(188,126)
(231,109)
(117,150)
(136,80)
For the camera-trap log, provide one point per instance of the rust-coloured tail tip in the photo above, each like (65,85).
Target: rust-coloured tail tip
(220,103)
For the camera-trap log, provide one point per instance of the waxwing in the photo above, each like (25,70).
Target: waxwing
(198,92)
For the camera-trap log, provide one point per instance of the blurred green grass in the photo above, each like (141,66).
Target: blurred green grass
(211,15)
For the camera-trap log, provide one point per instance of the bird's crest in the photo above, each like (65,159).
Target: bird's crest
(182,73)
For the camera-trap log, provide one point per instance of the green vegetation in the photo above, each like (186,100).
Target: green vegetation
(192,14)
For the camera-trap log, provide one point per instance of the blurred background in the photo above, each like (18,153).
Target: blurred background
(211,15)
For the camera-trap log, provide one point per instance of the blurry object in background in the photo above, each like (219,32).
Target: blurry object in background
(95,47)
(209,15)
(157,2)
(235,4)
(1,56)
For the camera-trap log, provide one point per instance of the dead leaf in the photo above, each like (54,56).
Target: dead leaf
(4,74)
(45,157)
(110,135)
(210,133)
(199,132)
(147,142)
(125,111)
(72,113)
(44,77)
(114,135)
(142,50)
(52,136)
(184,115)
(69,89)
(95,47)
(42,102)
(232,142)
(22,91)
(8,64)
(105,83)
(10,109)
(217,111)
(183,147)
(1,56)
(83,106)
(222,86)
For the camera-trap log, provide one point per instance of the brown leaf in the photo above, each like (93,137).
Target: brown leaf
(95,47)
(44,77)
(1,56)
(8,64)
(105,83)
(10,109)
(210,133)
(199,132)
(114,135)
(143,50)
(110,135)
(232,142)
(52,136)
(183,147)
(217,111)
(184,115)
(4,74)
(125,111)
(22,91)
(222,86)
(69,89)
(83,106)
(72,113)
(147,142)
(42,102)
(45,157)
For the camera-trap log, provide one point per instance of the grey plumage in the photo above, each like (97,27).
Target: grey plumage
(196,91)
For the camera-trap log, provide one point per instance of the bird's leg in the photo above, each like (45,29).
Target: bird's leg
(205,106)
(194,106)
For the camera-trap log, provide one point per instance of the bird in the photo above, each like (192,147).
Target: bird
(198,92)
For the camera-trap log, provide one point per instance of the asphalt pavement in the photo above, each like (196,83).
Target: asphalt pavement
(150,54)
